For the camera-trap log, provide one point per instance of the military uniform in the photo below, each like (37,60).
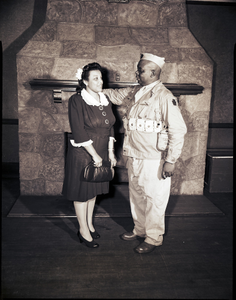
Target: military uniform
(151,113)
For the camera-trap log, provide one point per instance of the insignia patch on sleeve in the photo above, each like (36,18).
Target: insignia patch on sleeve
(174,102)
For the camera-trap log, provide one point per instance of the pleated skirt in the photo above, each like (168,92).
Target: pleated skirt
(75,188)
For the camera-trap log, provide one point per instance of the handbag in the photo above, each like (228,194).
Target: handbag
(101,174)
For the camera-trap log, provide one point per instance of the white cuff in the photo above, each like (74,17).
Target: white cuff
(112,138)
(81,144)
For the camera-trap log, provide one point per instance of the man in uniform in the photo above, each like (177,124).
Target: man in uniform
(153,124)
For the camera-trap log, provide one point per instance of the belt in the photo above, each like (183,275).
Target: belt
(144,125)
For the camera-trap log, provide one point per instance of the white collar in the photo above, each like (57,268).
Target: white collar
(150,86)
(90,100)
(145,89)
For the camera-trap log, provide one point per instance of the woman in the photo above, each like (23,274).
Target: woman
(92,138)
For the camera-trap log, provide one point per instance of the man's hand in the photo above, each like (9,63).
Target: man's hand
(168,170)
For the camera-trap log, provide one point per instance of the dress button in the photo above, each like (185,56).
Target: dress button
(107,121)
(100,107)
(104,113)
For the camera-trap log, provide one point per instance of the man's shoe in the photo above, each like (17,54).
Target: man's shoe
(145,248)
(129,236)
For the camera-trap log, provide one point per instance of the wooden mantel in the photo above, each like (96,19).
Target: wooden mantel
(70,85)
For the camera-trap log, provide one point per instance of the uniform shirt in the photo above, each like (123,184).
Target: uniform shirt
(157,104)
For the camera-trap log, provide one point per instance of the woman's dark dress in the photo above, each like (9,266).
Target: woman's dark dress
(87,122)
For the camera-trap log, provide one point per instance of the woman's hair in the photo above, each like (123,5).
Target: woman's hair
(85,74)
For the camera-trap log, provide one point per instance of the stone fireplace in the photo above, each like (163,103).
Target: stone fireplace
(112,33)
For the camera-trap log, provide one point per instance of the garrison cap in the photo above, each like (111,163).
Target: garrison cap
(160,61)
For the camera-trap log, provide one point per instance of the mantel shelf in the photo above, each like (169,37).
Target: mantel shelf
(70,86)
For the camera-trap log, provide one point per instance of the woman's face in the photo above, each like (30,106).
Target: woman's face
(95,81)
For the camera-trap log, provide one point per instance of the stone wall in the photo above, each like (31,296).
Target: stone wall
(112,34)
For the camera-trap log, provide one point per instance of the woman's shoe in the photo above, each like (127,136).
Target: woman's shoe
(95,234)
(91,244)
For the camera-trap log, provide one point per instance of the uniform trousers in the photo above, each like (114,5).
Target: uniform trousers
(149,194)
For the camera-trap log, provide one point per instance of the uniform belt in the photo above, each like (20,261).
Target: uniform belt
(144,125)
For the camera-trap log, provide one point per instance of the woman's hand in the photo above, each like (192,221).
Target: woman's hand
(112,157)
(97,161)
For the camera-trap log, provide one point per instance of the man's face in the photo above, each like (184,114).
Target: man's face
(144,73)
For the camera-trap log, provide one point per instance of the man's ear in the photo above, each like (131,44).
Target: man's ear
(152,73)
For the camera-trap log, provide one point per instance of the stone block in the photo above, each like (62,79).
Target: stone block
(186,115)
(178,177)
(63,121)
(63,11)
(169,73)
(195,168)
(191,145)
(194,73)
(112,36)
(78,49)
(26,142)
(172,15)
(145,36)
(53,169)
(203,144)
(182,38)
(29,119)
(138,14)
(42,99)
(29,68)
(62,108)
(30,160)
(25,187)
(75,32)
(66,68)
(40,48)
(30,142)
(125,71)
(47,33)
(171,54)
(48,123)
(194,55)
(65,96)
(29,165)
(38,142)
(53,145)
(118,53)
(29,173)
(170,1)
(53,188)
(32,187)
(38,187)
(200,121)
(99,12)
(24,94)
(192,187)
(200,102)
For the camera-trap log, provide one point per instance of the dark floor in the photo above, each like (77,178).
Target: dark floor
(42,258)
